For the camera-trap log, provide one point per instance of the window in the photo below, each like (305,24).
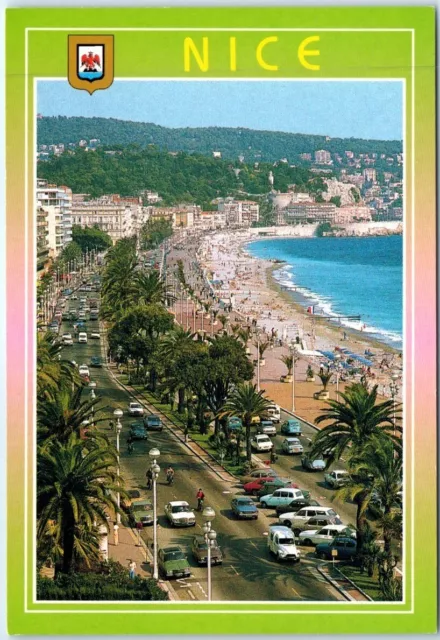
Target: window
(310,513)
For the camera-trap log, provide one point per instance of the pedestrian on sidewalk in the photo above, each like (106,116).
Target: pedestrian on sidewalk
(132,569)
(116,534)
(149,475)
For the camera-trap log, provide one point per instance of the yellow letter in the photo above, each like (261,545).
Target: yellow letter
(261,62)
(302,53)
(188,48)
(233,53)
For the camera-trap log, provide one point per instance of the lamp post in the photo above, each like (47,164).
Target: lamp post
(293,352)
(92,386)
(337,364)
(155,469)
(118,413)
(210,537)
(394,388)
(258,361)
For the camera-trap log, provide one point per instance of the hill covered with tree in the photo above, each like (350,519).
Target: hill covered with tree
(177,178)
(264,146)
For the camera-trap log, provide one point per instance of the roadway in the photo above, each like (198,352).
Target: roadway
(249,572)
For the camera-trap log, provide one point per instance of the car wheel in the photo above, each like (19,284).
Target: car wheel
(321,555)
(286,523)
(255,517)
(297,531)
(263,505)
(255,492)
(308,542)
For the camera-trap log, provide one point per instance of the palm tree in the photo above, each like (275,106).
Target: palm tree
(223,320)
(65,415)
(53,371)
(325,379)
(149,288)
(73,490)
(262,347)
(354,419)
(375,472)
(288,361)
(171,347)
(246,403)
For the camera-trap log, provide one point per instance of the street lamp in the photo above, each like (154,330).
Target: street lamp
(337,358)
(155,469)
(92,386)
(293,352)
(394,388)
(210,537)
(118,413)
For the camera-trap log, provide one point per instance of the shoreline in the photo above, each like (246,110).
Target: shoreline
(290,296)
(247,282)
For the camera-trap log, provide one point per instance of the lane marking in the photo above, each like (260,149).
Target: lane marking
(202,589)
(191,594)
(297,594)
(253,544)
(182,583)
(225,492)
(234,569)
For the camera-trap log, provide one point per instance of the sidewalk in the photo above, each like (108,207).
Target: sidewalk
(346,587)
(127,550)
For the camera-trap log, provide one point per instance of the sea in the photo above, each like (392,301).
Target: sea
(340,277)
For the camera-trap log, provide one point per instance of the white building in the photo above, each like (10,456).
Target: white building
(57,201)
(240,213)
(118,217)
(323,157)
(370,175)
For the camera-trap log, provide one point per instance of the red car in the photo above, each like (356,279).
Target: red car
(254,486)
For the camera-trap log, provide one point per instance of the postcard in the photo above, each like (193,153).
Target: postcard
(221,314)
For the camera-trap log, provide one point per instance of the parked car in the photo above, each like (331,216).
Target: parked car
(173,563)
(280,496)
(267,427)
(296,505)
(135,409)
(132,494)
(337,478)
(74,296)
(297,518)
(326,534)
(83,371)
(345,549)
(312,464)
(243,507)
(234,424)
(261,442)
(82,338)
(95,361)
(67,339)
(142,511)
(291,427)
(255,486)
(317,522)
(276,483)
(274,413)
(95,335)
(259,473)
(153,423)
(138,431)
(180,514)
(291,445)
(200,551)
(281,542)
(54,327)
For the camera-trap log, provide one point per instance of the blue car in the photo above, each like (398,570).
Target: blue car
(234,424)
(345,548)
(291,427)
(243,507)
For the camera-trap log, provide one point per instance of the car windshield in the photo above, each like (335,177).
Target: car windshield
(153,420)
(174,555)
(142,507)
(286,541)
(244,503)
(134,405)
(179,508)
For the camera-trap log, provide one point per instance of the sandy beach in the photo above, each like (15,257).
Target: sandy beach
(247,283)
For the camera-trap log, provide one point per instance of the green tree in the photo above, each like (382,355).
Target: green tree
(247,403)
(89,238)
(73,489)
(352,421)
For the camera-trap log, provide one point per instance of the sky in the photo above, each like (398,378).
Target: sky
(338,109)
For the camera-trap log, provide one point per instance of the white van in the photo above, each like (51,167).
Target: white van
(82,338)
(304,514)
(281,542)
(274,413)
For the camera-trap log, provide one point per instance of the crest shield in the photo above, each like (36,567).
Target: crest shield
(90,62)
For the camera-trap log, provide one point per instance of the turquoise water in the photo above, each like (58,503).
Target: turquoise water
(344,276)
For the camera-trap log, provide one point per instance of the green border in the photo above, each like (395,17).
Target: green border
(354,53)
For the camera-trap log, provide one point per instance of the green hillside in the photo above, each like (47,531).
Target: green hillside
(178,178)
(264,146)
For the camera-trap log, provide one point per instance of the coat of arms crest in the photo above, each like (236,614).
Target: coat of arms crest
(90,62)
